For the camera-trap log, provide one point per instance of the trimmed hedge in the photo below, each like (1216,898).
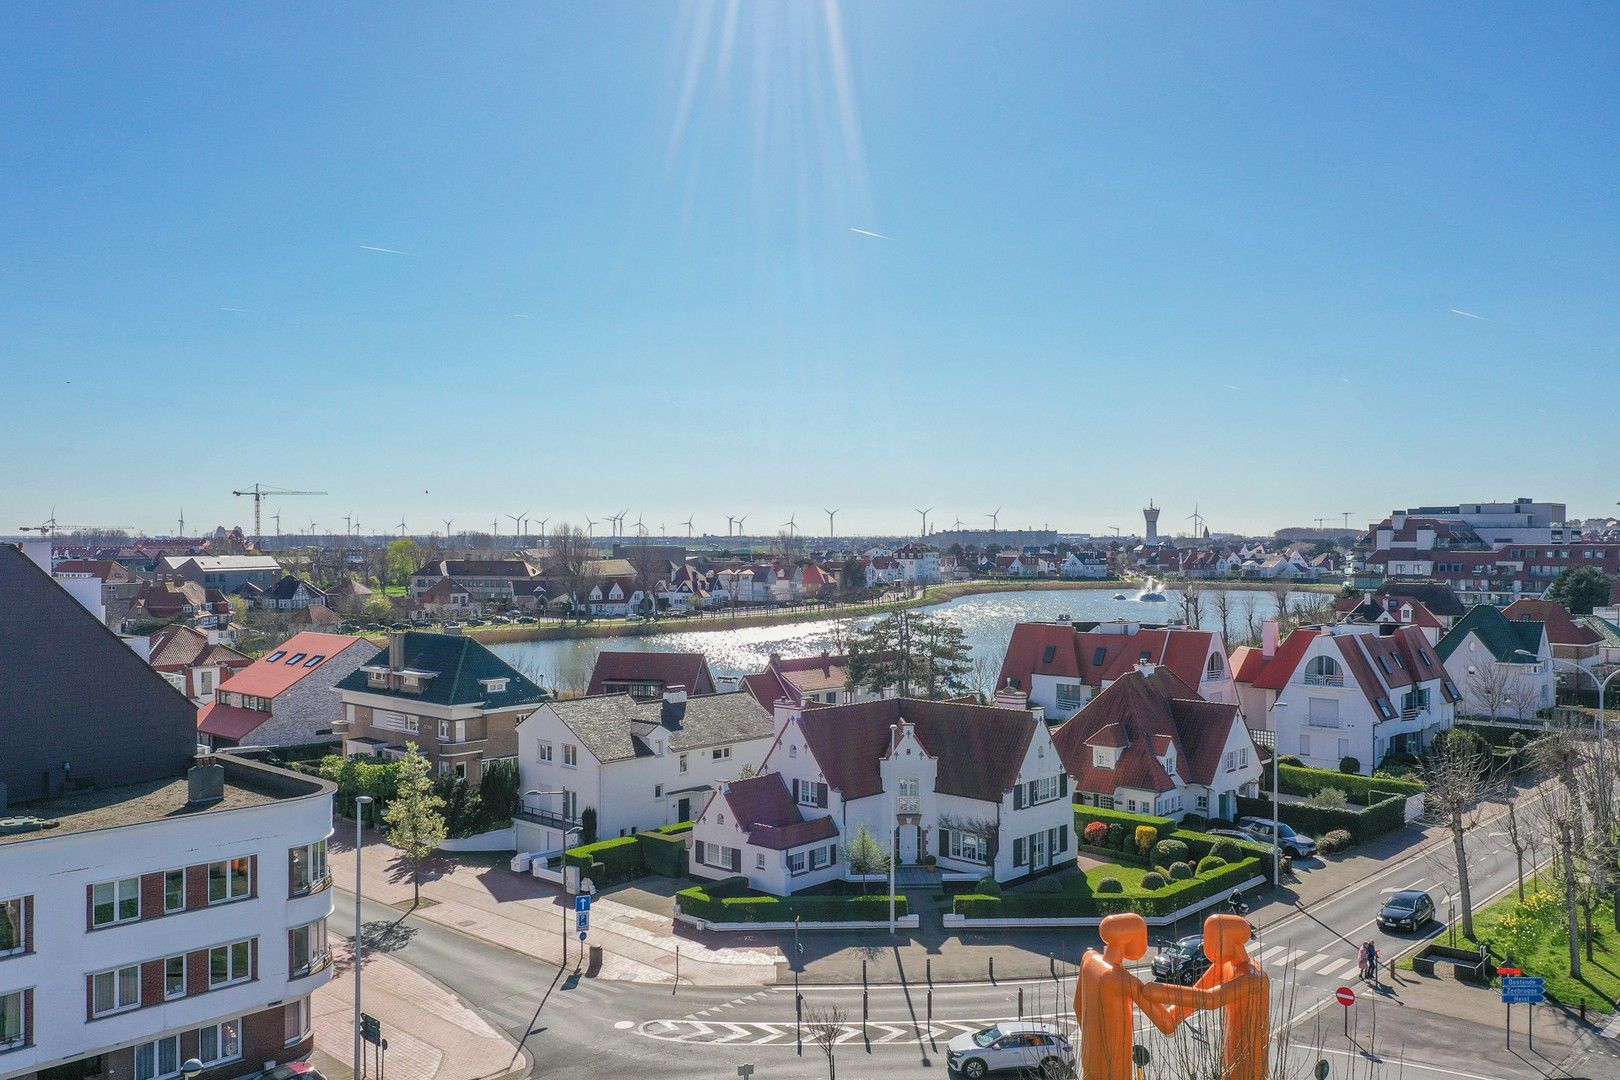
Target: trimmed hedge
(674,830)
(1103,901)
(608,862)
(1363,824)
(663,853)
(1083,814)
(1299,780)
(702,902)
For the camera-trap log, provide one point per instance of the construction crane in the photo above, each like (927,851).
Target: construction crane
(51,525)
(260,493)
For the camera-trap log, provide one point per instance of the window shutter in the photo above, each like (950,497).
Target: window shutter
(944,841)
(1063,838)
(1018,797)
(821,796)
(1018,852)
(736,860)
(1063,783)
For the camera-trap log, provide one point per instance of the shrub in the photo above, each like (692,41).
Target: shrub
(1049,884)
(1210,863)
(1336,840)
(1225,850)
(675,829)
(1108,885)
(1116,835)
(1350,765)
(1328,798)
(1290,759)
(1166,852)
(1146,837)
(989,886)
(1152,880)
(662,853)
(1095,833)
(587,826)
(608,862)
(1180,871)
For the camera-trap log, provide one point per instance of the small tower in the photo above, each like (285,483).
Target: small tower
(1151,514)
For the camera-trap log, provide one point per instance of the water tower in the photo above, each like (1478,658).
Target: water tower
(1151,514)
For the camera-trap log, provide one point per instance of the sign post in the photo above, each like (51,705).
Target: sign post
(1346,997)
(582,914)
(1519,989)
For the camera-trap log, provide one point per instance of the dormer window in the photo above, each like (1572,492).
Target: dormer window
(377,678)
(494,686)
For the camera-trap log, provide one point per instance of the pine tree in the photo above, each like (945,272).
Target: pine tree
(414,818)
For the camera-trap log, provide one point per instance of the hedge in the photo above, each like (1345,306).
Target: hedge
(1299,780)
(674,830)
(663,853)
(1176,895)
(608,862)
(1084,814)
(702,902)
(1363,824)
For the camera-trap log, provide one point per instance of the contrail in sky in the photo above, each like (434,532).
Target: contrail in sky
(868,232)
(383,250)
(1469,314)
(241,309)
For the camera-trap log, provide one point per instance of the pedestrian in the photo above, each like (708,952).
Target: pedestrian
(1235,902)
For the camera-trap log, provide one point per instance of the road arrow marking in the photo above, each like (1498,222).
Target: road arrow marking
(737,1032)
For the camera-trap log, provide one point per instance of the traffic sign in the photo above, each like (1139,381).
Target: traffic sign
(582,935)
(582,914)
(582,902)
(1345,996)
(1523,989)
(370,1028)
(1509,971)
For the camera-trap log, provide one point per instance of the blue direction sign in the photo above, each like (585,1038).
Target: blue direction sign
(1523,989)
(582,914)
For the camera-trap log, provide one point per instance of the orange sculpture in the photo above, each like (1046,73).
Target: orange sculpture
(1105,990)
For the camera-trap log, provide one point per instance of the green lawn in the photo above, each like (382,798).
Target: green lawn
(1599,984)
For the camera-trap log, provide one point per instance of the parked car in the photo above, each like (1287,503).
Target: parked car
(527,620)
(292,1070)
(1265,830)
(1024,1045)
(1181,961)
(1409,909)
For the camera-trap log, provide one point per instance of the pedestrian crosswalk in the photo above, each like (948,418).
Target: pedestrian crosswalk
(778,1033)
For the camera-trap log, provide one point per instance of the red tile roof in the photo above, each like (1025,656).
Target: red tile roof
(1272,673)
(766,811)
(812,674)
(1096,657)
(268,678)
(768,689)
(979,748)
(228,721)
(688,669)
(1561,628)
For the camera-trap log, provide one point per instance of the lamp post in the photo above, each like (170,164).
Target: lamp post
(360,804)
(1602,718)
(1276,791)
(191,1069)
(567,831)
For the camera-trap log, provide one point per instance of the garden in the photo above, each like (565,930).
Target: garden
(1326,803)
(467,810)
(730,900)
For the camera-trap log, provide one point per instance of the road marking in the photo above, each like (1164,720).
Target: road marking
(1273,951)
(1405,1064)
(1335,966)
(625,1025)
(1290,958)
(738,1031)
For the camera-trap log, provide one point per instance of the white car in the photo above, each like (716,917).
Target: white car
(1024,1045)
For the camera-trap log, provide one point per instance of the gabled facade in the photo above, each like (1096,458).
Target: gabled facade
(979,789)
(1571,639)
(646,675)
(637,764)
(194,661)
(285,697)
(222,572)
(456,701)
(1350,690)
(1503,665)
(805,680)
(1061,665)
(292,593)
(483,579)
(1149,744)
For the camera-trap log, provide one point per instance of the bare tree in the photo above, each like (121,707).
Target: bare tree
(1221,601)
(572,557)
(826,1025)
(1457,782)
(1280,588)
(651,568)
(1192,603)
(1495,687)
(1251,618)
(1519,840)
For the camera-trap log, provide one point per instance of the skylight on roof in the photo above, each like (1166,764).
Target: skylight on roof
(295,659)
(316,659)
(1051,651)
(277,655)
(1099,656)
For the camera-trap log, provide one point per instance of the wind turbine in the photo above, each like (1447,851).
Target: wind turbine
(641,530)
(730,521)
(517,523)
(447,522)
(995,519)
(790,524)
(182,531)
(348,530)
(1197,519)
(402,524)
(495,526)
(957,524)
(357,528)
(740,520)
(830,514)
(688,524)
(619,528)
(590,527)
(925,514)
(542,526)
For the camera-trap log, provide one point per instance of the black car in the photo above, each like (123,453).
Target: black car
(1409,909)
(1181,961)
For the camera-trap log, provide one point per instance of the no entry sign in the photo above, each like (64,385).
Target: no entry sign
(1345,996)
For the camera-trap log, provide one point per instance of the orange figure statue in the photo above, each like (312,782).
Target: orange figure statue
(1241,989)
(1104,991)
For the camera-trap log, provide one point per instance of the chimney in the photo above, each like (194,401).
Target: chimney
(396,650)
(826,663)
(213,635)
(1268,638)
(673,709)
(1145,668)
(1010,697)
(205,782)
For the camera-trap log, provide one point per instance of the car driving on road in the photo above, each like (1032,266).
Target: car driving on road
(1409,909)
(1024,1045)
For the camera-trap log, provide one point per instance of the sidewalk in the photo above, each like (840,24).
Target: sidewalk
(430,1034)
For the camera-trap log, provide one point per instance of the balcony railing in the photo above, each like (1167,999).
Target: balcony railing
(1323,680)
(908,804)
(547,818)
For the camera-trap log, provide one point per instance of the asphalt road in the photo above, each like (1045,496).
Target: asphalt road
(576,1026)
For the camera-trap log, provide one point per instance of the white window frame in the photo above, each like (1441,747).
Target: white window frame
(316,950)
(543,752)
(683,763)
(570,756)
(233,977)
(11,909)
(117,895)
(226,1048)
(116,985)
(315,859)
(796,863)
(154,1069)
(230,895)
(721,753)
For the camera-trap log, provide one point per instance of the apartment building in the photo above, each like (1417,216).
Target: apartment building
(155,906)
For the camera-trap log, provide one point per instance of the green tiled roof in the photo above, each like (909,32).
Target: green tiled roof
(1504,637)
(459,663)
(1609,631)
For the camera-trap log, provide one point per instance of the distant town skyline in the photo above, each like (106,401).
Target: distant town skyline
(1273,263)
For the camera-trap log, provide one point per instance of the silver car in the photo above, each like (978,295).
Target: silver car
(1025,1045)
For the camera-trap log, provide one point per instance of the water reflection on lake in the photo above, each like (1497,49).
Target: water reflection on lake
(987,620)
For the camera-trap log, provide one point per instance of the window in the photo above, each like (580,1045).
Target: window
(295,659)
(444,730)
(683,763)
(174,977)
(1385,709)
(494,686)
(308,947)
(158,1058)
(229,964)
(1101,758)
(115,902)
(394,721)
(759,860)
(1231,760)
(115,990)
(1048,654)
(807,793)
(1070,695)
(795,862)
(315,660)
(11,1020)
(1323,671)
(277,655)
(174,891)
(793,751)
(1304,745)
(967,846)
(822,857)
(13,933)
(544,752)
(308,867)
(721,753)
(910,799)
(1099,656)
(295,1021)
(570,756)
(219,1043)
(229,880)
(1215,667)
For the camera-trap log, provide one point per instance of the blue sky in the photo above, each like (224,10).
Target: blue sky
(1199,253)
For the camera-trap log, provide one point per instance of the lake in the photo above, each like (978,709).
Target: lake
(987,620)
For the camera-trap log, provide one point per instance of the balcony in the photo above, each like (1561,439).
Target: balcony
(1324,680)
(547,819)
(908,804)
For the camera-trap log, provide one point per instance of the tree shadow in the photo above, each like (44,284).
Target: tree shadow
(379,937)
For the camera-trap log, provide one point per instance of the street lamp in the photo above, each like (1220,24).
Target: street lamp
(567,831)
(1276,787)
(1602,718)
(360,804)
(191,1069)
